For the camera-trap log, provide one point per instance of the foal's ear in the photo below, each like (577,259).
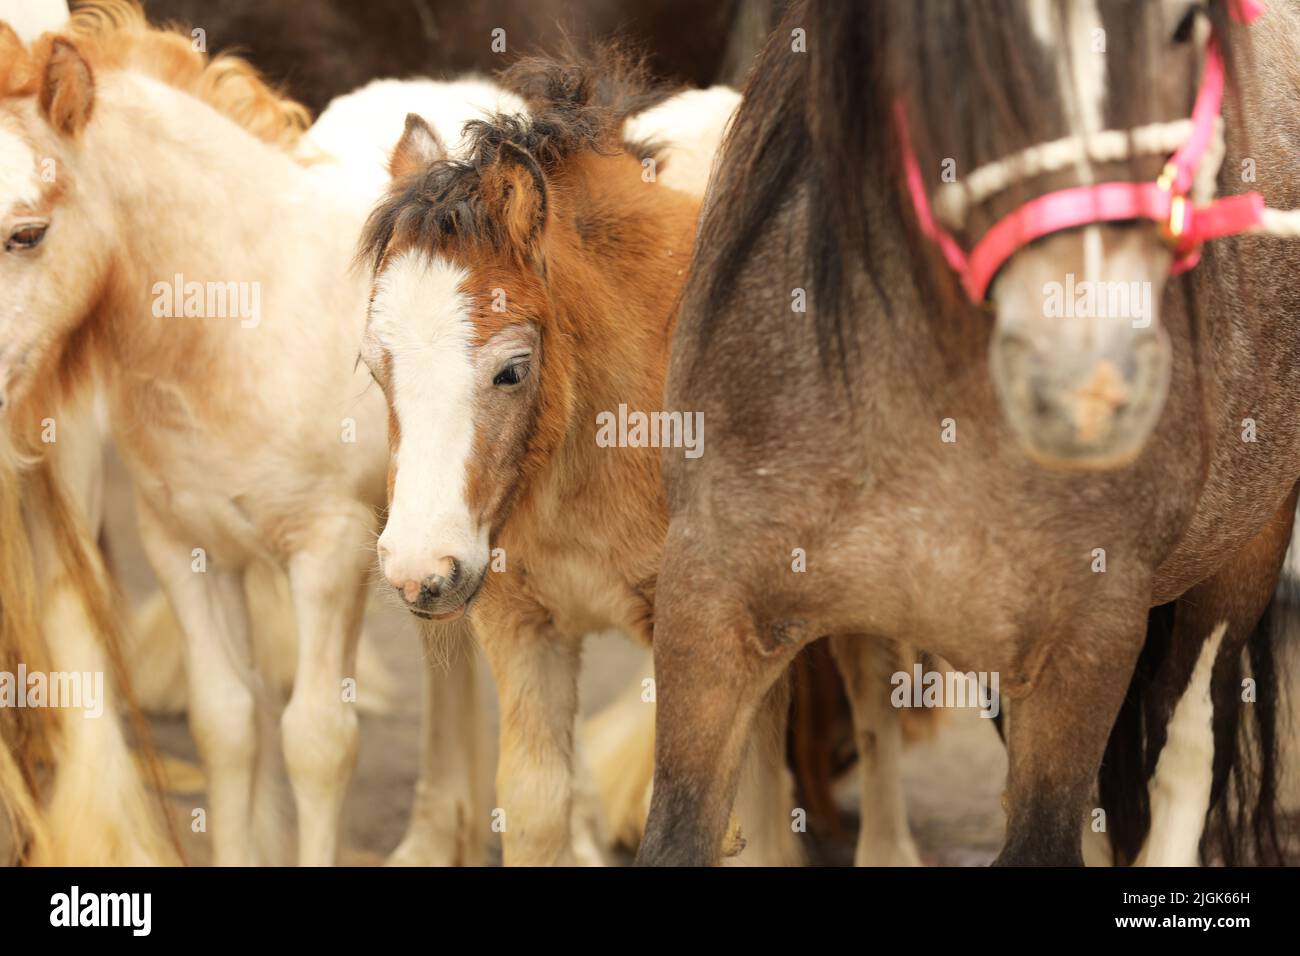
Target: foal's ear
(67,92)
(15,63)
(515,189)
(419,146)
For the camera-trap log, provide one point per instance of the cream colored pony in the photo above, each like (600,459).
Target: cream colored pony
(247,431)
(70,783)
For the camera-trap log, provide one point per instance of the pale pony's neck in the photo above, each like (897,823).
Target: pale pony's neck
(183,191)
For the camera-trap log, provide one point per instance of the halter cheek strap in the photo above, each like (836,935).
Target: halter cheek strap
(1170,201)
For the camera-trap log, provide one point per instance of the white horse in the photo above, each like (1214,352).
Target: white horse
(95,808)
(226,334)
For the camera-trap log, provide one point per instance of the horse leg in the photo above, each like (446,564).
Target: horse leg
(884,838)
(319,725)
(444,828)
(1192,742)
(1057,734)
(536,673)
(223,693)
(714,664)
(765,793)
(1180,787)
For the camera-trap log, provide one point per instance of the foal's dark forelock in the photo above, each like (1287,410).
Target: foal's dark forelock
(977,87)
(574,106)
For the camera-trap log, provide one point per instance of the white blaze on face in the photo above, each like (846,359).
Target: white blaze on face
(420,318)
(18,179)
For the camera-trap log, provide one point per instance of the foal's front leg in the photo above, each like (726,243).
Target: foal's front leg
(446,827)
(884,838)
(319,725)
(536,672)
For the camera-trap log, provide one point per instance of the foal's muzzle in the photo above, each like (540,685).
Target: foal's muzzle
(443,594)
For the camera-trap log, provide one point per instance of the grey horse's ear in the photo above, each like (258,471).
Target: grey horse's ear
(419,146)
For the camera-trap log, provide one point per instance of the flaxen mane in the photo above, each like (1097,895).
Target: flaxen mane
(114,35)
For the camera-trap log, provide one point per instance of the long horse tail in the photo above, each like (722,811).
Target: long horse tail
(41,781)
(28,736)
(98,608)
(1126,765)
(1243,824)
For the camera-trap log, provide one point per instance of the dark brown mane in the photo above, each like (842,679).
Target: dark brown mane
(574,108)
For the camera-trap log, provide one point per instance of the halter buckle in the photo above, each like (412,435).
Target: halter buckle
(1175,226)
(1168,176)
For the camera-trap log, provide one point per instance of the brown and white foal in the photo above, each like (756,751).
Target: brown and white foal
(517,296)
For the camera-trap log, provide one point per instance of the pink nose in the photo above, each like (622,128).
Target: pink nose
(428,586)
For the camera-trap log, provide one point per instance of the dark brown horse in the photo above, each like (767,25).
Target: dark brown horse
(897,434)
(320,49)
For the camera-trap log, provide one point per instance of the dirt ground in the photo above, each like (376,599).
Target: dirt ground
(953,780)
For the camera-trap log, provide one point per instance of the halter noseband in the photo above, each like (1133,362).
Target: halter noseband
(1181,200)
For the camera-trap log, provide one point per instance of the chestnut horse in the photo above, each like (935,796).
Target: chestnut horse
(899,435)
(522,304)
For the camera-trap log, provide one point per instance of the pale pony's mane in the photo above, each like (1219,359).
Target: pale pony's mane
(114,35)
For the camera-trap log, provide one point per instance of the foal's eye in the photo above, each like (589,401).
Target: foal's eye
(26,236)
(1183,32)
(512,373)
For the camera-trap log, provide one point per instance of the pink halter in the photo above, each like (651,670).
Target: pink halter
(1165,201)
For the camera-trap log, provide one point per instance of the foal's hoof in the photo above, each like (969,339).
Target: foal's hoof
(421,849)
(734,842)
(900,853)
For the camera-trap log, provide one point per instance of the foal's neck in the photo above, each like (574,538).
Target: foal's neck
(616,281)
